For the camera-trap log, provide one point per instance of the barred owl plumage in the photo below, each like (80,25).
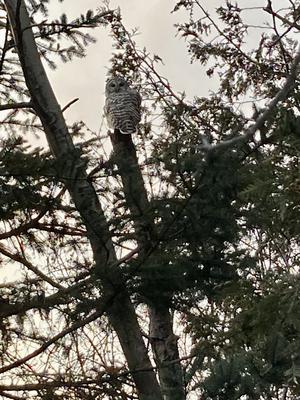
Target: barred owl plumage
(122,106)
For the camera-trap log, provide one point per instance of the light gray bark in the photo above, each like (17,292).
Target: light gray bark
(163,340)
(72,171)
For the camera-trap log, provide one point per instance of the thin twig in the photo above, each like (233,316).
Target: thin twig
(69,104)
(225,36)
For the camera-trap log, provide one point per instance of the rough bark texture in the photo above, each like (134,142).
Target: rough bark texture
(124,155)
(163,340)
(165,349)
(72,171)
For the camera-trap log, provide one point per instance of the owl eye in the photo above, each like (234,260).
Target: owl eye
(121,83)
(112,84)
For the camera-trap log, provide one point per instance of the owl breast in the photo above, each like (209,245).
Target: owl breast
(122,111)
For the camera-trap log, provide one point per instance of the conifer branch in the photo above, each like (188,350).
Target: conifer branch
(282,95)
(291,24)
(72,25)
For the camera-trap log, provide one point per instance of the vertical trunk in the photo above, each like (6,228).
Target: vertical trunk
(163,340)
(120,310)
(165,349)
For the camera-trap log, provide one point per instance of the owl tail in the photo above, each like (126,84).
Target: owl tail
(128,128)
(127,132)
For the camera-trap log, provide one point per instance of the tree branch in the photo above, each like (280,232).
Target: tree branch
(74,384)
(53,384)
(221,33)
(291,24)
(4,50)
(72,25)
(55,338)
(69,104)
(22,260)
(161,320)
(15,106)
(282,95)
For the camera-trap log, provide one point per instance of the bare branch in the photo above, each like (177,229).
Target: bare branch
(22,260)
(70,104)
(51,384)
(70,384)
(55,338)
(10,396)
(15,106)
(4,46)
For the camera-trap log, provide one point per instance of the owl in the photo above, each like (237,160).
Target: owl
(122,106)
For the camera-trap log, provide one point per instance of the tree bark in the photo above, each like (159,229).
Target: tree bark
(166,355)
(163,340)
(71,170)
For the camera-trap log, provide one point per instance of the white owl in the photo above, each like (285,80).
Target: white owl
(122,106)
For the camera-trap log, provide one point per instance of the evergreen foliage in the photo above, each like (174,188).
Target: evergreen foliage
(224,254)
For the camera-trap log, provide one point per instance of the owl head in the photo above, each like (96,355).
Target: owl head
(115,85)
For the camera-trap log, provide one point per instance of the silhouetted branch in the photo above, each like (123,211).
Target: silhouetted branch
(12,106)
(282,95)
(55,338)
(69,104)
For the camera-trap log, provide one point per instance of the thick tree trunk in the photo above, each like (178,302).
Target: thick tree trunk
(166,355)
(71,169)
(163,340)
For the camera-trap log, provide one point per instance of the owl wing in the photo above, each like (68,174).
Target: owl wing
(136,97)
(108,112)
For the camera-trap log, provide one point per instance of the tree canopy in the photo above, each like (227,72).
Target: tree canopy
(163,265)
